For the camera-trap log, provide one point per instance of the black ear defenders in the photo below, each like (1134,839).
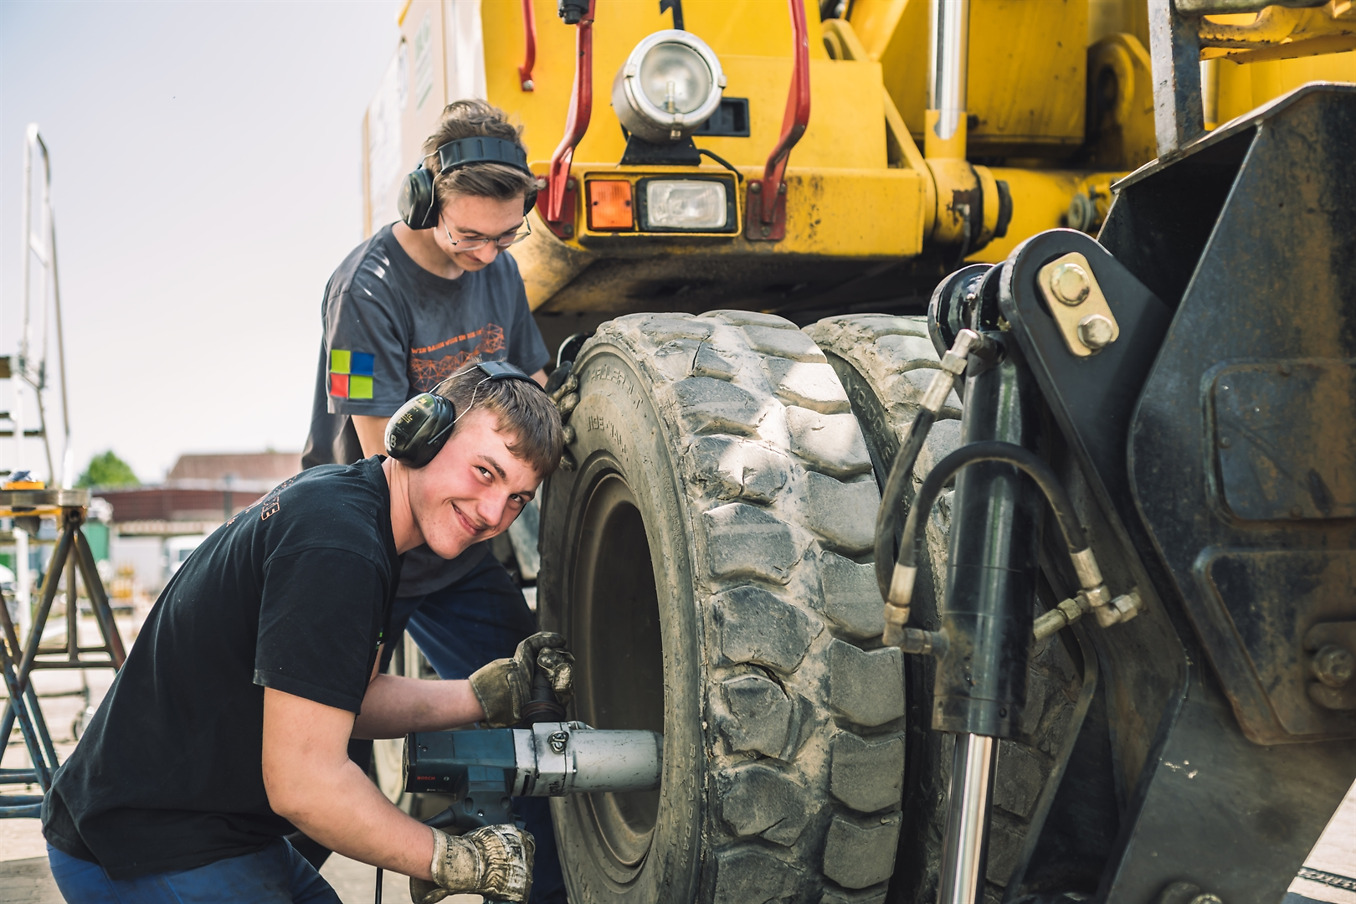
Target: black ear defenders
(416,432)
(416,205)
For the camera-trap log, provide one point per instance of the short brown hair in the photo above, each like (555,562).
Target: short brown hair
(524,411)
(470,119)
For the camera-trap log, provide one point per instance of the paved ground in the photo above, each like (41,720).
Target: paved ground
(25,879)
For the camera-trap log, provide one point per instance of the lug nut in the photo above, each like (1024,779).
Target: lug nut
(1095,331)
(1069,283)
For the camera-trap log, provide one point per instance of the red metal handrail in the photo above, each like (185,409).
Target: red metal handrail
(797,115)
(530,53)
(576,124)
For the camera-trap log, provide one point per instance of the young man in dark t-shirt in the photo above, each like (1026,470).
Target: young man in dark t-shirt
(228,725)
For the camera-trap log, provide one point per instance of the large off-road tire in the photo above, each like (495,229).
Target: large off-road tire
(885,363)
(708,559)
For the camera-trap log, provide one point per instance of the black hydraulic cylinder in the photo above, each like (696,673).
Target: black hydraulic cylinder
(995,526)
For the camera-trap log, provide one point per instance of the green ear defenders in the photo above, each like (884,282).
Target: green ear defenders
(416,432)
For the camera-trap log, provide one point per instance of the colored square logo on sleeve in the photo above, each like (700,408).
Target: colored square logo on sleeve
(362,363)
(351,374)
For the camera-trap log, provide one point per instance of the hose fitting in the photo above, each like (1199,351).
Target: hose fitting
(1096,598)
(1117,611)
(918,642)
(952,367)
(898,603)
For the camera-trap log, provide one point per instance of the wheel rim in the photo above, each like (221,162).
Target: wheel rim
(616,633)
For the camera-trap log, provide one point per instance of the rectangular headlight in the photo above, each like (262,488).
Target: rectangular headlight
(687,205)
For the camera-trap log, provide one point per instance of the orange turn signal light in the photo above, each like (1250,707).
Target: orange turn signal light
(610,204)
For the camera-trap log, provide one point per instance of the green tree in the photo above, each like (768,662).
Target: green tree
(108,470)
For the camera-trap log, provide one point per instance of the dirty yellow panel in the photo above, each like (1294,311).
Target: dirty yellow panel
(882,27)
(748,27)
(1027,67)
(847,213)
(1028,71)
(895,33)
(1244,87)
(847,114)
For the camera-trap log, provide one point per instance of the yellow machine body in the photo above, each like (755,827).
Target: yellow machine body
(1058,104)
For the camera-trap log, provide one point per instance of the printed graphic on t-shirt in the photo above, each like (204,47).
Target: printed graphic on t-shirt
(271,502)
(351,373)
(428,369)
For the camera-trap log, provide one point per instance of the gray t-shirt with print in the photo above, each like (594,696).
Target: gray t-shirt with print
(393,330)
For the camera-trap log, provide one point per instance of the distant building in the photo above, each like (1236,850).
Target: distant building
(201,491)
(257,471)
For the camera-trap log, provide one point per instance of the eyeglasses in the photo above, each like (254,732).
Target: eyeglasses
(502,241)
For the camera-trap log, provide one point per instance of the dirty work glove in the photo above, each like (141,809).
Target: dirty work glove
(494,861)
(504,686)
(563,388)
(558,378)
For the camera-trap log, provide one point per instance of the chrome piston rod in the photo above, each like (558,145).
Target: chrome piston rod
(963,851)
(948,62)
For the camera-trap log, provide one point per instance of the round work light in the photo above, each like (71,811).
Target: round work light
(668,87)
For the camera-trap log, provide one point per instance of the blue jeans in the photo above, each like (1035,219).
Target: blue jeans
(459,628)
(275,875)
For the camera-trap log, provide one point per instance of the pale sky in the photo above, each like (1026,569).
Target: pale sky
(206,180)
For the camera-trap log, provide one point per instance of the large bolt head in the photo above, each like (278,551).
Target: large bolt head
(1069,283)
(1095,331)
(1334,666)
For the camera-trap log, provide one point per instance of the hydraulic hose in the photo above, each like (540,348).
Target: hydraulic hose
(897,586)
(894,496)
(991,450)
